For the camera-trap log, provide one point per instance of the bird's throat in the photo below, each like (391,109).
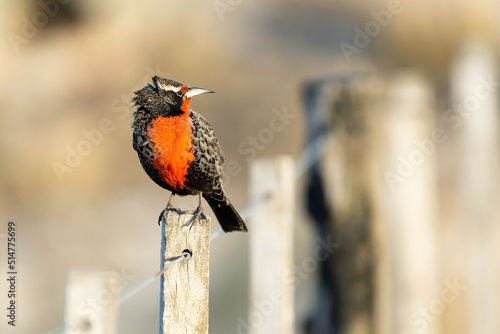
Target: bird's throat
(185,105)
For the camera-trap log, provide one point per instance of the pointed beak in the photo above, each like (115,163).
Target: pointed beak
(193,91)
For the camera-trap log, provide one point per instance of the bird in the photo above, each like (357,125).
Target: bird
(179,151)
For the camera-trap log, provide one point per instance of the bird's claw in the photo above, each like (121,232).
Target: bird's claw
(165,211)
(197,215)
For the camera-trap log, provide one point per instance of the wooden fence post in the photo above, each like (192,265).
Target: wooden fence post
(184,286)
(91,303)
(409,202)
(341,109)
(474,246)
(271,247)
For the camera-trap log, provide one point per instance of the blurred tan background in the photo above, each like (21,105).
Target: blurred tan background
(73,70)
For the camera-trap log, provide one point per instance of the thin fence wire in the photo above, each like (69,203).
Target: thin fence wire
(126,295)
(309,156)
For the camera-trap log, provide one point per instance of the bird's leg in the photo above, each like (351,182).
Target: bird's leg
(197,214)
(170,204)
(170,207)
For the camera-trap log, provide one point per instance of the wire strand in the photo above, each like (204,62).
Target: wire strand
(309,156)
(126,295)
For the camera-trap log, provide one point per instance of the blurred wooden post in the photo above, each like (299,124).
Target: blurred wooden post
(474,89)
(271,248)
(409,204)
(91,303)
(340,199)
(184,286)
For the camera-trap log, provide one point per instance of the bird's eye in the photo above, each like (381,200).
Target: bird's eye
(180,93)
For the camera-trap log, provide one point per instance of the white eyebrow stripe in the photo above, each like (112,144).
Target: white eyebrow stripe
(168,87)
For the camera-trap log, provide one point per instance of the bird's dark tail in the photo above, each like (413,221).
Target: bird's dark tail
(229,219)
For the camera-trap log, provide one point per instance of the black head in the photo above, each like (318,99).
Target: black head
(165,98)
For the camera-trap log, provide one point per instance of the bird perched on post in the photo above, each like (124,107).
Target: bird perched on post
(178,149)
